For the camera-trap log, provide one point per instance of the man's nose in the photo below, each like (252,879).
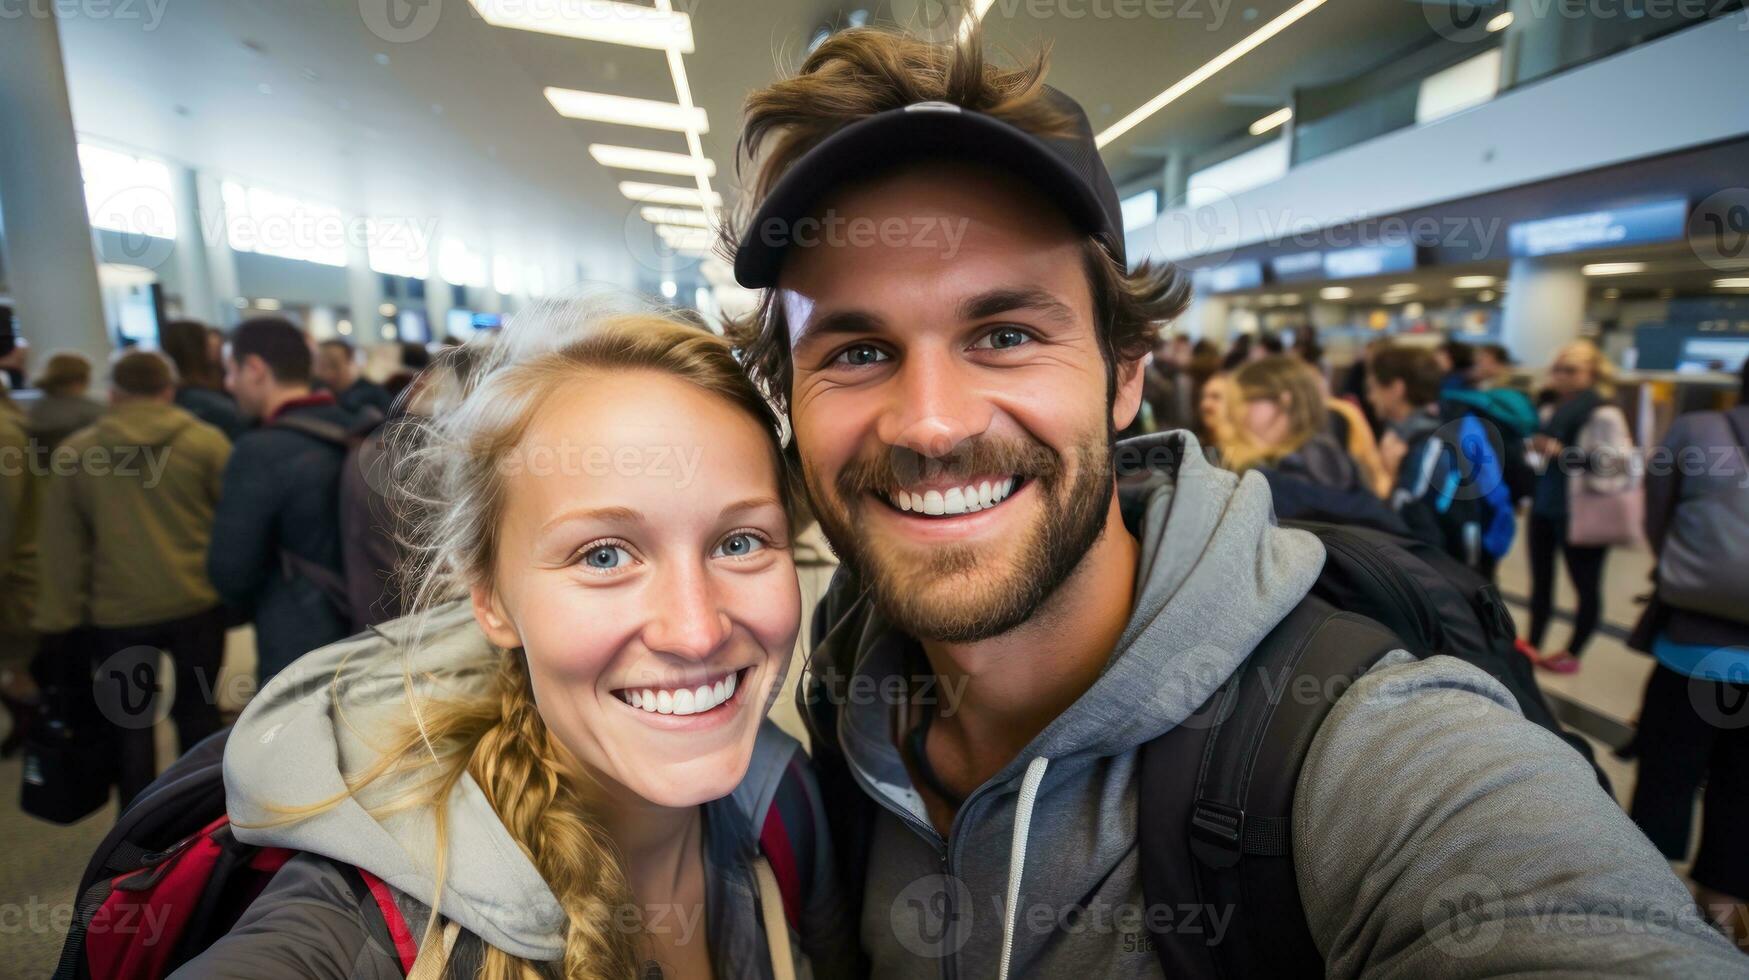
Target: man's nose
(935,404)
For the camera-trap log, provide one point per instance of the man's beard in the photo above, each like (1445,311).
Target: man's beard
(936,593)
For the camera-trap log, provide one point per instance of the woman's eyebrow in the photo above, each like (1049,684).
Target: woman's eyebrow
(751,503)
(606,515)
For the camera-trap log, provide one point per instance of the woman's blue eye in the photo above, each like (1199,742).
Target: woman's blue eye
(1005,337)
(739,545)
(607,556)
(861,355)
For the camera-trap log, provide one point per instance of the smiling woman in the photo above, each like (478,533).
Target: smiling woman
(605,605)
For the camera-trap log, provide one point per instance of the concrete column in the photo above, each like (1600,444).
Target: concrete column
(1174,180)
(215,243)
(1207,318)
(437,304)
(364,293)
(193,261)
(49,260)
(1544,309)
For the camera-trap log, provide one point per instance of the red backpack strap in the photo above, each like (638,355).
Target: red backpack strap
(406,947)
(787,839)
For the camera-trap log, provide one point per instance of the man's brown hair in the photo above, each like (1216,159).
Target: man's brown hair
(860,72)
(1415,366)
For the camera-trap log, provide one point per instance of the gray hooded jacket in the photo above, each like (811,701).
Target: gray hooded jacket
(303,730)
(1425,796)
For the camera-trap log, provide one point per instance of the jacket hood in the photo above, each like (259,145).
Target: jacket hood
(142,424)
(1215,576)
(327,714)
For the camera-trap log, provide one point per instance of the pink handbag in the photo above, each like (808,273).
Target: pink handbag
(1600,520)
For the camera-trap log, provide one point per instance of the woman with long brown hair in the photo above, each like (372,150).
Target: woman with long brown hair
(558,763)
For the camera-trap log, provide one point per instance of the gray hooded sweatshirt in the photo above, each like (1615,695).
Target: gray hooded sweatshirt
(1424,796)
(303,730)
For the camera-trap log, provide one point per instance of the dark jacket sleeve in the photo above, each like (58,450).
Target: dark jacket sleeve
(245,545)
(307,924)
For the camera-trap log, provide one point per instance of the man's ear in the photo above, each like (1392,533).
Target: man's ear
(493,620)
(1127,400)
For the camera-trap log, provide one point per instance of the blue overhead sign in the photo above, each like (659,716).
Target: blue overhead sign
(1369,260)
(1660,221)
(1230,277)
(1298,266)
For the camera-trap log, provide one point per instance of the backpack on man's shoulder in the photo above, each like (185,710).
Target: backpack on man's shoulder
(172,862)
(1215,797)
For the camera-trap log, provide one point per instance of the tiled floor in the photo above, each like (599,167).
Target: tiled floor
(1611,677)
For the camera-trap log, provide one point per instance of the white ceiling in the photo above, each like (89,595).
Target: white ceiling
(303,97)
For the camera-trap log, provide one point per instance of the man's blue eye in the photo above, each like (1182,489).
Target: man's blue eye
(862,355)
(1007,337)
(605,557)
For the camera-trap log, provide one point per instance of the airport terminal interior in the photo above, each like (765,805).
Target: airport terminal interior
(1429,317)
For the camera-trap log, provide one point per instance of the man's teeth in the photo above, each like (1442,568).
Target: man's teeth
(684,701)
(968,499)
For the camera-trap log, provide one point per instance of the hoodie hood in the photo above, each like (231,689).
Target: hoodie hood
(325,715)
(142,424)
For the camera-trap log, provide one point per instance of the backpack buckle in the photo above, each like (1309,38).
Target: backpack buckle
(1216,833)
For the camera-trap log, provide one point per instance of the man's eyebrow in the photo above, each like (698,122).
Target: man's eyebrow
(1007,300)
(840,322)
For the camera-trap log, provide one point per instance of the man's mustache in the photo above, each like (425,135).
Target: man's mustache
(889,468)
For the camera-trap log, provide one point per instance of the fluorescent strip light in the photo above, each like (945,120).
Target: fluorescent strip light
(601,107)
(1500,22)
(1335,292)
(675,216)
(1613,268)
(669,194)
(655,161)
(593,20)
(1741,282)
(1473,282)
(1203,74)
(1272,120)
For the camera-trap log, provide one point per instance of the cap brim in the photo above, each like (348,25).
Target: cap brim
(887,140)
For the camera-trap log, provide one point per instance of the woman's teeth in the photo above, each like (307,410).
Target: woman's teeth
(685,700)
(968,499)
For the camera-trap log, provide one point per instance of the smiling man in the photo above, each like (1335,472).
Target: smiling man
(954,415)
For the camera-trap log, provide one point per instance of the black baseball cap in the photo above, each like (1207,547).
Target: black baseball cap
(1067,169)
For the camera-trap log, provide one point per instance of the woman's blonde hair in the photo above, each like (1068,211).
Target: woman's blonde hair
(450,490)
(1602,369)
(1294,386)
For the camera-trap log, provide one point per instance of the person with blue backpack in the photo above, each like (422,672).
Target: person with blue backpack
(1079,707)
(1449,465)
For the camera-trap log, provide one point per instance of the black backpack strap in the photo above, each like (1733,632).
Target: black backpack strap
(1215,801)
